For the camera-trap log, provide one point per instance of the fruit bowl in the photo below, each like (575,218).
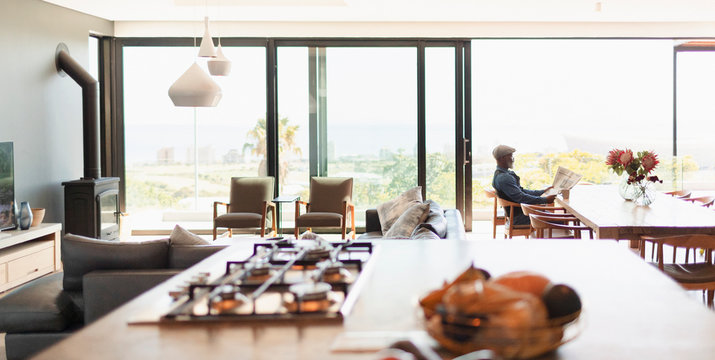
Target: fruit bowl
(517,315)
(465,334)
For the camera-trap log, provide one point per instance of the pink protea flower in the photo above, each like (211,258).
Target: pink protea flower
(625,157)
(613,156)
(649,161)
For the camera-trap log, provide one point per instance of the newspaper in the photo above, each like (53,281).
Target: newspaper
(564,179)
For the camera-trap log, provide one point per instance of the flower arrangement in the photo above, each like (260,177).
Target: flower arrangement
(637,167)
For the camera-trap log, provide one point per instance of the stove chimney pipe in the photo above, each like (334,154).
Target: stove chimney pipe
(90,106)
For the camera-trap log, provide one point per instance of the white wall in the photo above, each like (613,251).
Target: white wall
(40,111)
(418,29)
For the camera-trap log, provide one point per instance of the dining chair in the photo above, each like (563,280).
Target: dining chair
(695,276)
(557,227)
(510,229)
(498,217)
(329,206)
(704,201)
(250,202)
(680,194)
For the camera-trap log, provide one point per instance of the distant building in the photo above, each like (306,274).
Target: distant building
(165,156)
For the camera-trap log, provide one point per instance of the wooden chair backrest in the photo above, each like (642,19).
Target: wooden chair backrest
(685,241)
(706,201)
(681,194)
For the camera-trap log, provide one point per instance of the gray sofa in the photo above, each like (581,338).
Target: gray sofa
(98,277)
(440,224)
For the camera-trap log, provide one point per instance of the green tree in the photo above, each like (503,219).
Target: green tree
(256,144)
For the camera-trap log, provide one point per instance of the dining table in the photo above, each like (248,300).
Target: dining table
(601,208)
(630,309)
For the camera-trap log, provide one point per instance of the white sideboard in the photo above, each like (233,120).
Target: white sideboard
(29,254)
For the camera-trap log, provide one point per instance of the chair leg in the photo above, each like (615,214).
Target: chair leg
(710,298)
(215,233)
(494,229)
(230,232)
(296,230)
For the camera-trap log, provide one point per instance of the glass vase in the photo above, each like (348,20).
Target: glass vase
(627,191)
(645,193)
(24,218)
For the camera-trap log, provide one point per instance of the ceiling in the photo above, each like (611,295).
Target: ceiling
(399,10)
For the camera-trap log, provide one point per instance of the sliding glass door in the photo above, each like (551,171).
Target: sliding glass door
(348,112)
(179,160)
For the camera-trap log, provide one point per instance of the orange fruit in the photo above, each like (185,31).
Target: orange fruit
(526,281)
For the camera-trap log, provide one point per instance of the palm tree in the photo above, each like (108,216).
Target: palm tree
(256,143)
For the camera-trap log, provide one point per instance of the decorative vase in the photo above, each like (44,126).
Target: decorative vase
(645,193)
(24,218)
(38,214)
(627,191)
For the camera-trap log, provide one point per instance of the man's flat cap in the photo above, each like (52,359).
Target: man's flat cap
(502,150)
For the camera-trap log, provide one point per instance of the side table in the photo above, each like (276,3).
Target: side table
(280,200)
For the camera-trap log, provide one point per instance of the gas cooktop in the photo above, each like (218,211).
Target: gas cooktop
(285,280)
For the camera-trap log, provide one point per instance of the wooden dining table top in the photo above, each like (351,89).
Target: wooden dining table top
(630,309)
(611,217)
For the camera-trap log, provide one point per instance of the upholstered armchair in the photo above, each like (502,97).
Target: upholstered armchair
(329,206)
(250,202)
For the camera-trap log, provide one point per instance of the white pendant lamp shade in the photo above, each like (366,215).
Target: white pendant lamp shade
(195,88)
(220,65)
(207,44)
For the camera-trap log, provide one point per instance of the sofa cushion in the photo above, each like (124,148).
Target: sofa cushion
(390,211)
(185,256)
(181,236)
(81,255)
(408,221)
(423,233)
(106,290)
(24,345)
(37,306)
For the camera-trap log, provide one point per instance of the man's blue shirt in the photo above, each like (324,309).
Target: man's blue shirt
(507,185)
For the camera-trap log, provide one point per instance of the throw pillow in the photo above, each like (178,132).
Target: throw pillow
(408,221)
(389,212)
(181,236)
(81,255)
(422,233)
(436,221)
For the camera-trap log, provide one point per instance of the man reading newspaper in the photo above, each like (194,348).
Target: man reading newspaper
(508,187)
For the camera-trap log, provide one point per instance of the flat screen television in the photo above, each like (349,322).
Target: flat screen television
(7,187)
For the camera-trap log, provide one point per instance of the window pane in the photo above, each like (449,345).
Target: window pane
(440,107)
(162,173)
(372,122)
(369,100)
(568,102)
(696,150)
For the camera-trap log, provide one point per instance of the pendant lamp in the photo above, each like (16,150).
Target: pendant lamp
(220,65)
(207,44)
(195,88)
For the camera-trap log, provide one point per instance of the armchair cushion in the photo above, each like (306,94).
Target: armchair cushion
(390,211)
(249,193)
(327,194)
(238,220)
(319,219)
(181,236)
(81,255)
(408,221)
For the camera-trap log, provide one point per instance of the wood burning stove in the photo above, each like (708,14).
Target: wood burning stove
(92,202)
(92,207)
